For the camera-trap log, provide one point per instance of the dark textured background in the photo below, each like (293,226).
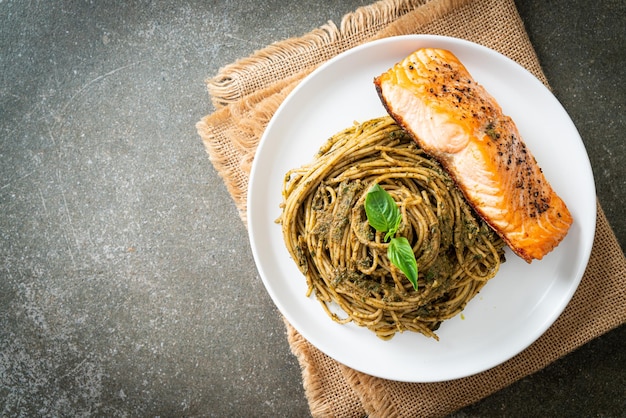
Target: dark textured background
(127,285)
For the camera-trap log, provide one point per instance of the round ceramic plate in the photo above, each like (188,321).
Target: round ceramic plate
(515,307)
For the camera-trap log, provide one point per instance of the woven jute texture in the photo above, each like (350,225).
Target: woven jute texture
(246,94)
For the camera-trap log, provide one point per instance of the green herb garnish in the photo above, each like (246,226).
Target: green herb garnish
(385,217)
(382,212)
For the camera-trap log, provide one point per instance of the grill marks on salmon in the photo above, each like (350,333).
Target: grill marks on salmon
(454,119)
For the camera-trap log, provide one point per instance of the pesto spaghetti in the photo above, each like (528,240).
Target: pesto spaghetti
(344,259)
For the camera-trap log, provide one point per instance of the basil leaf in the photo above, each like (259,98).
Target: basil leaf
(382,211)
(384,216)
(401,255)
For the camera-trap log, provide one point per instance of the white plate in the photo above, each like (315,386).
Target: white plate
(514,308)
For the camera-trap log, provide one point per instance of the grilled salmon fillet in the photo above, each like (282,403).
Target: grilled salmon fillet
(454,119)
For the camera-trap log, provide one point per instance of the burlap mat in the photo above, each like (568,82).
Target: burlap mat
(245,95)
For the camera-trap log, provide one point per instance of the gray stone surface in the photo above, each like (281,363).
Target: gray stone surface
(127,285)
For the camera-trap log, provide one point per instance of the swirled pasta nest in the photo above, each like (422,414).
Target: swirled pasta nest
(344,259)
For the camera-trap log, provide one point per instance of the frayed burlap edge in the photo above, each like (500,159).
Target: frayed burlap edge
(327,396)
(242,123)
(294,55)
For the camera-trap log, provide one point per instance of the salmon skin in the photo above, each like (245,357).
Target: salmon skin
(454,119)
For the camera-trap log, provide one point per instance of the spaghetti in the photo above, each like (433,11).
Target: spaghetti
(344,259)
